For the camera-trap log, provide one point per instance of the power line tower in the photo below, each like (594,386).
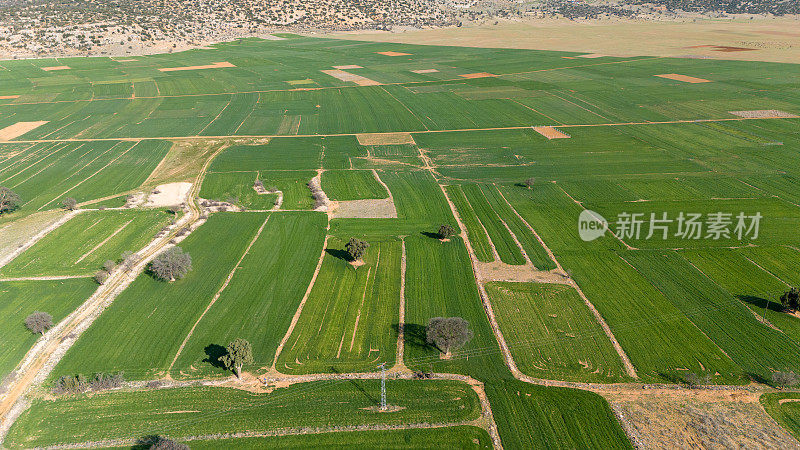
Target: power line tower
(383,386)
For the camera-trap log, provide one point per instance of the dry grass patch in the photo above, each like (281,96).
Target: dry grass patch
(215,65)
(364,209)
(347,76)
(684,78)
(592,55)
(52,68)
(348,67)
(393,53)
(478,75)
(764,114)
(8,97)
(385,139)
(423,71)
(551,133)
(18,129)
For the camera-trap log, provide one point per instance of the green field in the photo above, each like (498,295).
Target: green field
(85,242)
(784,407)
(184,412)
(552,334)
(634,146)
(18,299)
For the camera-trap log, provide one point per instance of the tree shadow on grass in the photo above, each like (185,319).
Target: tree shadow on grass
(431,235)
(338,253)
(761,302)
(213,353)
(414,335)
(357,384)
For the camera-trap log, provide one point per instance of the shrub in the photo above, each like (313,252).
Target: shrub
(109,265)
(9,200)
(790,300)
(445,231)
(784,379)
(101,276)
(39,322)
(171,265)
(69,204)
(356,248)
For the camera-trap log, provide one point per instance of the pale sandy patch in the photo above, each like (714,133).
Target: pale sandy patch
(478,75)
(347,76)
(301,82)
(364,209)
(126,60)
(8,97)
(52,68)
(764,114)
(499,271)
(592,55)
(348,67)
(551,133)
(393,53)
(684,78)
(385,139)
(421,71)
(18,129)
(216,65)
(172,194)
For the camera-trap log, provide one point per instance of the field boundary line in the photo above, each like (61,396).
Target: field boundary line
(219,293)
(45,278)
(119,230)
(299,310)
(626,362)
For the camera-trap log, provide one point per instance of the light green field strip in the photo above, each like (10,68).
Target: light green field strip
(153,317)
(261,298)
(83,244)
(184,412)
(506,247)
(349,321)
(552,334)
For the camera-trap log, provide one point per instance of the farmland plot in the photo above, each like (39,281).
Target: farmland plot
(85,242)
(261,298)
(238,186)
(349,320)
(183,412)
(506,247)
(154,317)
(784,407)
(475,231)
(18,299)
(552,334)
(345,185)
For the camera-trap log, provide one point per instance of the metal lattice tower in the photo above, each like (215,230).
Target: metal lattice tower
(383,387)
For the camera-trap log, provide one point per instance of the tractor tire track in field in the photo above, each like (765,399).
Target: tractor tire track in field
(218,294)
(49,349)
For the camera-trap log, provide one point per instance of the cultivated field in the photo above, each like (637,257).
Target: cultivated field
(506,147)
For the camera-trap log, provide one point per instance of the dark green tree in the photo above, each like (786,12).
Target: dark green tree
(240,352)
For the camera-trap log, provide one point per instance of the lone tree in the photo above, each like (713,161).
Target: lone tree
(9,200)
(171,265)
(448,333)
(791,299)
(356,248)
(445,231)
(100,277)
(240,352)
(39,322)
(69,204)
(784,379)
(529,182)
(129,260)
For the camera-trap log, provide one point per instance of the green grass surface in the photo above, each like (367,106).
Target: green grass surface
(450,437)
(85,242)
(183,412)
(475,231)
(552,334)
(352,185)
(784,407)
(506,247)
(18,299)
(349,322)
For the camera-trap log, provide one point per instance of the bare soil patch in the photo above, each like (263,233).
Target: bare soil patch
(478,75)
(498,271)
(364,209)
(592,55)
(18,129)
(347,76)
(764,114)
(684,78)
(390,53)
(52,68)
(8,97)
(551,133)
(385,139)
(422,71)
(348,67)
(172,194)
(216,65)
(689,421)
(301,82)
